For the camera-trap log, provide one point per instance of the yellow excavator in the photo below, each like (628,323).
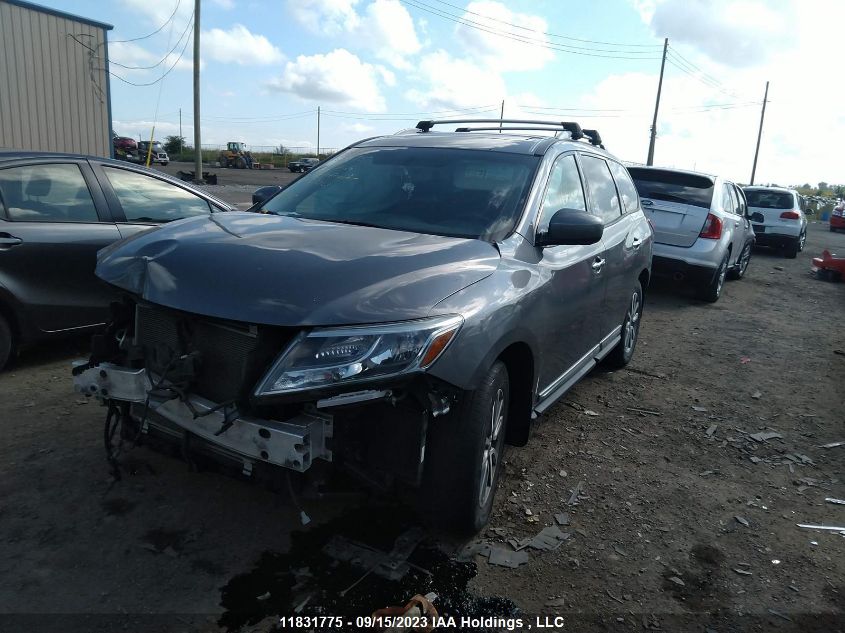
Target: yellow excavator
(235,155)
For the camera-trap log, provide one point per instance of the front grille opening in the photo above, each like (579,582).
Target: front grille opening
(231,356)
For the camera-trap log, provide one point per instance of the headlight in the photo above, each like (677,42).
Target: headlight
(332,356)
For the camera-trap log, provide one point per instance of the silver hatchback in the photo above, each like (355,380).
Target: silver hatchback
(702,232)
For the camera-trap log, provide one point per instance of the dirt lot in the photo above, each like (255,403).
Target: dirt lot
(683,520)
(235,185)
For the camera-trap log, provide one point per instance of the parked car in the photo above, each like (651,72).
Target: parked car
(303,164)
(126,148)
(777,215)
(157,155)
(56,212)
(701,230)
(418,299)
(837,216)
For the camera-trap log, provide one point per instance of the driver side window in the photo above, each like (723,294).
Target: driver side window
(564,191)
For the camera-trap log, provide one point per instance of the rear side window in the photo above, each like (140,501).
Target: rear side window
(47,193)
(672,186)
(729,201)
(769,199)
(627,190)
(147,199)
(605,201)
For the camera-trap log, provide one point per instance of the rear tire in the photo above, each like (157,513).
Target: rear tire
(713,290)
(624,350)
(742,264)
(463,457)
(7,342)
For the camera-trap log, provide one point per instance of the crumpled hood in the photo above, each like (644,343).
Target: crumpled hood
(288,271)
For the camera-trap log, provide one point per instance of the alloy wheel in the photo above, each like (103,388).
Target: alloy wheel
(490,454)
(632,323)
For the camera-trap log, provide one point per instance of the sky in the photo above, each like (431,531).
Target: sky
(378,66)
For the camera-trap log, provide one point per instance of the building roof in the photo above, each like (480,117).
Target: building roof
(61,14)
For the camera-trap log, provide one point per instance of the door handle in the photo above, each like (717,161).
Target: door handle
(7,241)
(597,264)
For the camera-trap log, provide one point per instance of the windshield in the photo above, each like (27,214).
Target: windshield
(673,186)
(453,192)
(763,199)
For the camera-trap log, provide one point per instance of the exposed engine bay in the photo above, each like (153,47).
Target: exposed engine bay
(192,380)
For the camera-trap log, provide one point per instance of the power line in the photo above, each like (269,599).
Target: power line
(423,113)
(564,48)
(155,81)
(548,34)
(163,59)
(158,30)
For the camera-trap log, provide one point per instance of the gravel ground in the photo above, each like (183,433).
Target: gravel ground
(678,519)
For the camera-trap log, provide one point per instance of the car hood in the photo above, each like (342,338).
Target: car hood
(288,271)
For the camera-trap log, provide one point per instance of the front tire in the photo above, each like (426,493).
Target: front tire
(713,290)
(464,452)
(7,342)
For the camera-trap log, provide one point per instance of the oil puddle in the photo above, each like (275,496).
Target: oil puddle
(309,581)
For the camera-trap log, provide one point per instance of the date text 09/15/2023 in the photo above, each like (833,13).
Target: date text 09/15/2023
(419,622)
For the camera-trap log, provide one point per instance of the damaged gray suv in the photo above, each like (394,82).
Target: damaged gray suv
(404,310)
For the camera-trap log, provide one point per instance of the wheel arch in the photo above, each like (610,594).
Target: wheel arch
(519,361)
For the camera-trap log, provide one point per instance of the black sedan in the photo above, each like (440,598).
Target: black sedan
(56,212)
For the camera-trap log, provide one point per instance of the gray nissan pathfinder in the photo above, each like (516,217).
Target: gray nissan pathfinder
(403,310)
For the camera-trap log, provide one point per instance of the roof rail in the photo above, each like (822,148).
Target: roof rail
(575,131)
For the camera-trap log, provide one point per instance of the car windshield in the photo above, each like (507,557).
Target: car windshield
(452,192)
(763,199)
(673,186)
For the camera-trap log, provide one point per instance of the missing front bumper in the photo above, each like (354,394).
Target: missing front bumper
(293,444)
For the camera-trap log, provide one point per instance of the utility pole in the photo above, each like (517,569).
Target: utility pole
(318,132)
(180,133)
(501,116)
(197,135)
(650,160)
(759,133)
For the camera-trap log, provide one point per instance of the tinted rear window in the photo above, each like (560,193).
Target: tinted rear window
(673,186)
(769,199)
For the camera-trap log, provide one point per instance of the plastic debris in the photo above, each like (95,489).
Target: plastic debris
(576,492)
(562,518)
(832,445)
(677,581)
(712,430)
(590,413)
(840,502)
(644,411)
(699,409)
(742,520)
(506,558)
(830,528)
(764,436)
(757,395)
(742,572)
(549,538)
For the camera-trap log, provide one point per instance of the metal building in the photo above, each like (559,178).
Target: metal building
(54,84)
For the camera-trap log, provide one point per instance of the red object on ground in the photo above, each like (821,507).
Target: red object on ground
(837,221)
(830,262)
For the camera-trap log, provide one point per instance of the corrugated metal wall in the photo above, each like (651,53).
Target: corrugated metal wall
(53,90)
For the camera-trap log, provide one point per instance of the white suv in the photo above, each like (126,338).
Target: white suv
(777,215)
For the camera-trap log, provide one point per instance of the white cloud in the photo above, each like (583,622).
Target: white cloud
(239,46)
(384,27)
(337,77)
(225,4)
(388,30)
(735,33)
(512,53)
(387,76)
(326,17)
(453,83)
(358,128)
(157,11)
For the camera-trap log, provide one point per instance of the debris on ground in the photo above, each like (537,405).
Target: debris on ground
(556,602)
(757,395)
(507,558)
(831,528)
(840,502)
(765,436)
(392,566)
(590,413)
(742,521)
(576,492)
(677,581)
(562,518)
(699,409)
(711,430)
(744,360)
(644,411)
(832,445)
(742,572)
(417,607)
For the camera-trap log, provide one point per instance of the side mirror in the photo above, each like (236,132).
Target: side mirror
(571,227)
(262,195)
